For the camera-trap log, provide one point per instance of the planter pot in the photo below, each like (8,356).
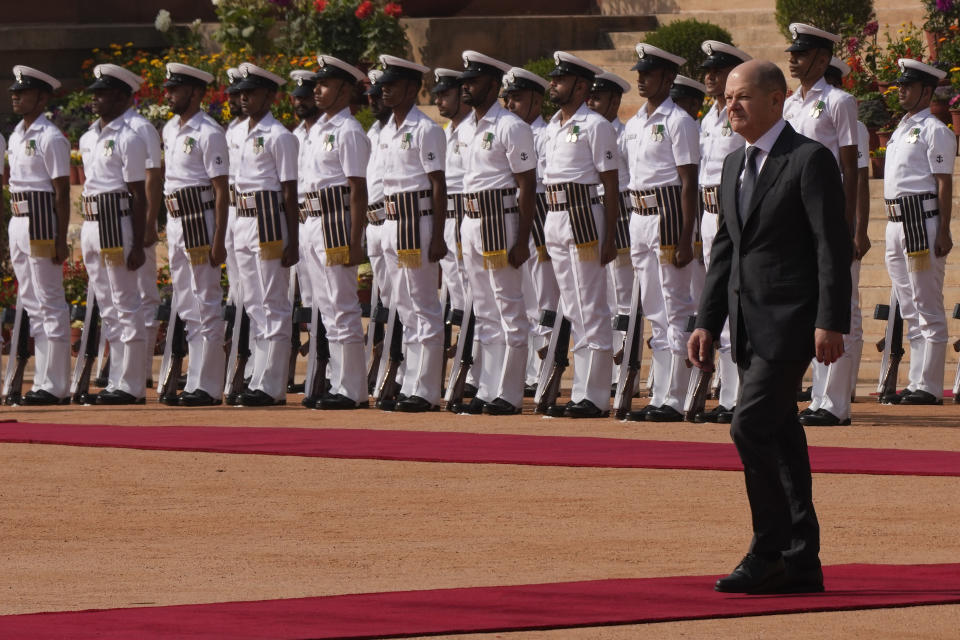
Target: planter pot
(6,173)
(941,111)
(933,44)
(81,176)
(883,137)
(364,295)
(74,174)
(876,166)
(955,115)
(874,138)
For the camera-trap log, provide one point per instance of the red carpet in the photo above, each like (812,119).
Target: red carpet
(479,609)
(432,446)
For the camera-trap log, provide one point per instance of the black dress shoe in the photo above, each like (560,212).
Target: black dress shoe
(720,415)
(296,387)
(586,409)
(198,398)
(338,402)
(823,418)
(42,398)
(806,395)
(754,575)
(665,413)
(473,408)
(469,390)
(921,397)
(558,411)
(259,398)
(414,404)
(118,397)
(806,412)
(171,399)
(895,398)
(500,407)
(529,390)
(85,398)
(640,415)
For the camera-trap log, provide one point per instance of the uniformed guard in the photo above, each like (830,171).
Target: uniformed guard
(582,153)
(829,116)
(717,140)
(337,151)
(376,213)
(307,112)
(523,93)
(234,136)
(114,208)
(197,195)
(499,184)
(663,148)
(414,187)
(918,196)
(688,94)
(40,213)
(266,233)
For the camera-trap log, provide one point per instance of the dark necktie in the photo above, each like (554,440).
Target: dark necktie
(748,183)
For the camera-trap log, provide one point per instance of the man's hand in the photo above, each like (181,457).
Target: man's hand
(135,258)
(291,255)
(218,254)
(438,248)
(150,236)
(829,345)
(519,254)
(861,245)
(700,349)
(683,256)
(608,252)
(356,255)
(60,250)
(943,242)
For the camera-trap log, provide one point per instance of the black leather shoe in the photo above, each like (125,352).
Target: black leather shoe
(86,398)
(586,409)
(473,408)
(170,399)
(823,418)
(806,395)
(664,414)
(118,397)
(500,407)
(806,412)
(529,390)
(259,398)
(42,398)
(720,415)
(198,398)
(640,415)
(895,398)
(338,402)
(558,411)
(469,390)
(414,404)
(917,397)
(754,575)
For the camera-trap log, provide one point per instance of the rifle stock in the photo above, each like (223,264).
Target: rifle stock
(89,347)
(19,355)
(319,384)
(173,369)
(894,354)
(698,398)
(561,345)
(239,354)
(630,363)
(458,376)
(389,388)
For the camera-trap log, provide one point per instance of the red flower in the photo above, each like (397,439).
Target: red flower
(871,28)
(320,5)
(393,9)
(364,10)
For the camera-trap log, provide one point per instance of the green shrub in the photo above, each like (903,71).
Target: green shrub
(835,16)
(683,38)
(542,67)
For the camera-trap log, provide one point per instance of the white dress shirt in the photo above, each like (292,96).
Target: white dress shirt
(375,165)
(412,150)
(113,155)
(539,128)
(235,134)
(580,149)
(455,169)
(267,157)
(920,147)
(658,143)
(495,148)
(145,129)
(337,148)
(38,154)
(194,152)
(825,114)
(717,141)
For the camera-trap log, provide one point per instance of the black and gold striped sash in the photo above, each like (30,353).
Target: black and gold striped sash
(664,202)
(191,205)
(577,200)
(912,211)
(622,239)
(107,209)
(406,209)
(267,208)
(332,206)
(39,207)
(376,213)
(539,237)
(490,208)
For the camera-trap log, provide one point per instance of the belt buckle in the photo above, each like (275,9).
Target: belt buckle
(893,210)
(391,207)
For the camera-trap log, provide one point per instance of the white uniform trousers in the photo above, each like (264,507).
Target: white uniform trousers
(147,285)
(197,297)
(668,305)
(266,298)
(121,313)
(335,295)
(40,291)
(233,275)
(921,304)
(541,292)
(502,326)
(303,272)
(833,384)
(583,297)
(415,295)
(451,267)
(727,368)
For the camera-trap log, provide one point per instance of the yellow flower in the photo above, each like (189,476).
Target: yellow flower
(907,39)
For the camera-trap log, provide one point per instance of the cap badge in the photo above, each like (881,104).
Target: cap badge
(795,32)
(19,75)
(322,62)
(436,77)
(299,82)
(556,58)
(641,53)
(169,75)
(466,62)
(245,72)
(709,49)
(98,72)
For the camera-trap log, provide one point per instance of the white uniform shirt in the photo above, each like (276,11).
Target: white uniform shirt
(337,148)
(235,133)
(539,128)
(112,156)
(3,151)
(37,156)
(194,153)
(145,129)
(826,114)
(717,141)
(411,151)
(580,149)
(920,147)
(301,133)
(863,146)
(455,168)
(623,175)
(375,165)
(659,143)
(495,148)
(267,156)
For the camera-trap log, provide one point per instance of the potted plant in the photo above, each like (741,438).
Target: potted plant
(938,17)
(872,112)
(940,104)
(877,159)
(954,105)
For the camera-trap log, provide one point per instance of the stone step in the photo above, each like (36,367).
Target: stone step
(626,39)
(641,7)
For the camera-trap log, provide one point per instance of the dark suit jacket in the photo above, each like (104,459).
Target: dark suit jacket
(786,271)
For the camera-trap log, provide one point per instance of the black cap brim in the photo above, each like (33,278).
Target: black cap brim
(444,85)
(909,76)
(30,83)
(570,69)
(109,82)
(394,74)
(255,82)
(303,90)
(720,61)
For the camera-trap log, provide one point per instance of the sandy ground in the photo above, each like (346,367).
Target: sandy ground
(94,528)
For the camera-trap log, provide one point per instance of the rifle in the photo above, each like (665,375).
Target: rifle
(317,384)
(87,354)
(699,386)
(20,347)
(556,362)
(103,357)
(463,359)
(630,356)
(892,348)
(237,363)
(295,341)
(447,332)
(171,367)
(389,388)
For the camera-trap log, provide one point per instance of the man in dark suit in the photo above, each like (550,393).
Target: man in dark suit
(780,269)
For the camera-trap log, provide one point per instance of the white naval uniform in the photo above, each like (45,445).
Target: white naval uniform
(38,155)
(373,232)
(451,266)
(114,155)
(495,148)
(580,158)
(620,271)
(412,150)
(834,125)
(717,141)
(656,145)
(147,273)
(913,157)
(234,134)
(303,271)
(265,282)
(195,153)
(336,149)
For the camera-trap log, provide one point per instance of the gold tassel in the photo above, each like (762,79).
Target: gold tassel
(112,257)
(337,255)
(698,251)
(667,253)
(542,255)
(459,251)
(42,248)
(272,250)
(588,251)
(495,259)
(623,257)
(199,255)
(408,258)
(918,260)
